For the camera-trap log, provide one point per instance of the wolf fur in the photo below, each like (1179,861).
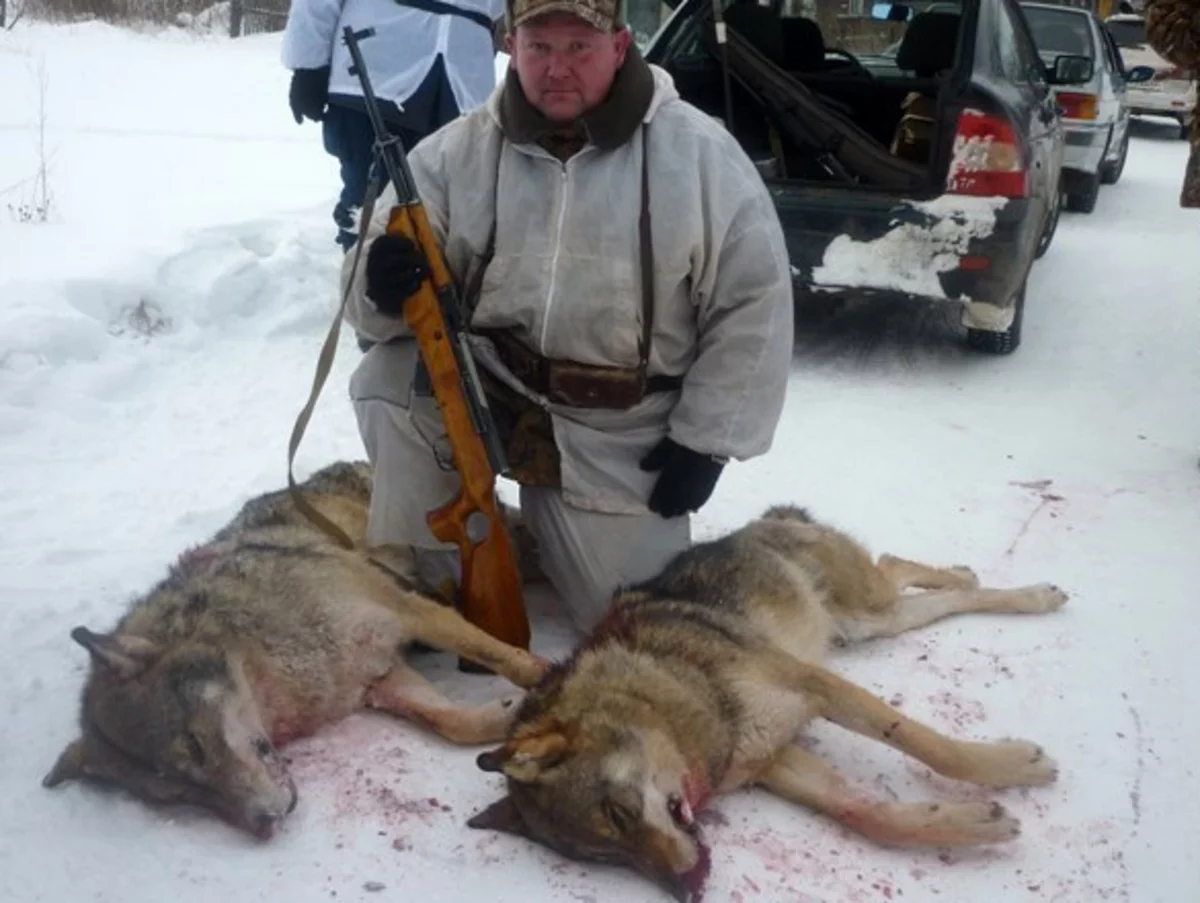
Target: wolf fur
(698,682)
(266,633)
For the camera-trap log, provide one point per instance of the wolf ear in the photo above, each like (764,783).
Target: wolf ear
(81,759)
(91,759)
(69,766)
(524,759)
(501,815)
(125,656)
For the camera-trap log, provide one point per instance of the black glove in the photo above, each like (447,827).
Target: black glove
(395,270)
(308,94)
(687,479)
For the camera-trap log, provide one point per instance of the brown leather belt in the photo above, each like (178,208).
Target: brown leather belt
(575,384)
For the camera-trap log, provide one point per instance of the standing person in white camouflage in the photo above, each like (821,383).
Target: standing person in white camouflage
(629,304)
(429,61)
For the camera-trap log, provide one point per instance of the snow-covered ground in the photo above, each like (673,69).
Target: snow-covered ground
(157,338)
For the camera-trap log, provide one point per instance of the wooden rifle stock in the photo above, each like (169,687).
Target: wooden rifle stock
(491,582)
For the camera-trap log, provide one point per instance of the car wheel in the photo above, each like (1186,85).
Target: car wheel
(1005,342)
(1051,225)
(1110,172)
(1084,194)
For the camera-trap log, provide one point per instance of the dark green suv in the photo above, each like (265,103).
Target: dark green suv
(912,151)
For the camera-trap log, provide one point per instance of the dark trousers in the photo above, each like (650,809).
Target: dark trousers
(348,135)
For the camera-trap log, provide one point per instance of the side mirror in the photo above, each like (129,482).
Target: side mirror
(1139,74)
(1070,70)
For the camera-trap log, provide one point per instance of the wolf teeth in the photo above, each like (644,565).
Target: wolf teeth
(681,811)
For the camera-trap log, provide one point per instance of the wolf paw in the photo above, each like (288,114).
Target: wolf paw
(965,824)
(937,824)
(489,723)
(1045,597)
(530,669)
(1019,763)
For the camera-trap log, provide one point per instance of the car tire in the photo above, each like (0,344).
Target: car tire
(1110,172)
(1085,193)
(1051,225)
(1006,342)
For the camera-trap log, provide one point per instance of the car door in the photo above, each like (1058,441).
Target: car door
(1023,67)
(1117,87)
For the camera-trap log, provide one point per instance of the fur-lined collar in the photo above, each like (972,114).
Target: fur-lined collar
(607,126)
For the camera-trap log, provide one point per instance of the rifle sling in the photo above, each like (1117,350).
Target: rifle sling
(324,364)
(646,243)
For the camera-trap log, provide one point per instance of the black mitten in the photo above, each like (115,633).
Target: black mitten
(309,93)
(395,270)
(686,481)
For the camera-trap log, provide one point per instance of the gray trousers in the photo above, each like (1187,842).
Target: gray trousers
(586,555)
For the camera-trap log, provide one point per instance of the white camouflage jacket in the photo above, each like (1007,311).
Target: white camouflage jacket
(566,278)
(400,54)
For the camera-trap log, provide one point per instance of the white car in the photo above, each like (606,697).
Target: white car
(1094,113)
(1170,92)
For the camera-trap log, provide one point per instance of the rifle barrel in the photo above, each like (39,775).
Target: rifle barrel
(386,144)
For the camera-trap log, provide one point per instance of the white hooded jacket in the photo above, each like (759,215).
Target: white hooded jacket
(566,278)
(401,52)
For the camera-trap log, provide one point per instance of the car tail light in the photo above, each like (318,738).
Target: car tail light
(988,159)
(1171,75)
(1077,106)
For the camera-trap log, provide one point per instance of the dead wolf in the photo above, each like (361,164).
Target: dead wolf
(698,682)
(263,634)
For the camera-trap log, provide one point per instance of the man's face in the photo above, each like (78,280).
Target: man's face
(566,66)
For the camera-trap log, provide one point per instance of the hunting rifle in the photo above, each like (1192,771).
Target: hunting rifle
(491,583)
(490,590)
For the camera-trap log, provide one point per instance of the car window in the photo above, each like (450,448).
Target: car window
(1128,32)
(646,17)
(1018,56)
(1057,32)
(872,31)
(1114,54)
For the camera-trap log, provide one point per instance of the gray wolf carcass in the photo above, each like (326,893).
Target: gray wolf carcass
(265,633)
(699,681)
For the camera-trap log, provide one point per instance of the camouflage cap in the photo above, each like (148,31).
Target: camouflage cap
(602,14)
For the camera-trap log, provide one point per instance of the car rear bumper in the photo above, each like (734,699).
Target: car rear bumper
(1166,100)
(1084,145)
(953,248)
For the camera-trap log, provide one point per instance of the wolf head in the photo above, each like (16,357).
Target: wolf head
(176,725)
(603,792)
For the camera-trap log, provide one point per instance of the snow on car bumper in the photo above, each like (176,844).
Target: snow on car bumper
(953,248)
